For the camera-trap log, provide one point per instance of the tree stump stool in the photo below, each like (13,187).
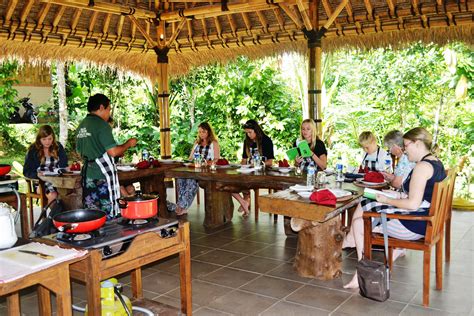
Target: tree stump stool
(319,250)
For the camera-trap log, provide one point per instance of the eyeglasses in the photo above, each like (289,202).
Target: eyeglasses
(405,145)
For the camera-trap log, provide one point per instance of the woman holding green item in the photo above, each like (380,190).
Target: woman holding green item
(319,155)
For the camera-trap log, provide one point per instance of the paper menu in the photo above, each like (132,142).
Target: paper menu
(302,150)
(15,264)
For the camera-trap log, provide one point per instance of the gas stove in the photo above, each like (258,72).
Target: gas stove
(116,235)
(8,184)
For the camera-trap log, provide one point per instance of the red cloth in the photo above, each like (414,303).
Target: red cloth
(222,162)
(374,176)
(323,197)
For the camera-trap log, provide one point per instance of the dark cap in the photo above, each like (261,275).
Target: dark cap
(251,124)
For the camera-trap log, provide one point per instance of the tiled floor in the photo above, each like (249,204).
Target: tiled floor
(246,269)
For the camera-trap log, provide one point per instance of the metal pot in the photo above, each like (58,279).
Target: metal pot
(79,221)
(140,206)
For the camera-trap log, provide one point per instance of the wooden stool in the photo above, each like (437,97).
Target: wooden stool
(34,190)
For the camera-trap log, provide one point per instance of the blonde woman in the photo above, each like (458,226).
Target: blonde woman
(45,154)
(319,157)
(374,157)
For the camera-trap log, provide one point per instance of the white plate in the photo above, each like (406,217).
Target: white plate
(305,194)
(339,193)
(301,188)
(284,169)
(246,170)
(246,166)
(370,183)
(125,168)
(188,164)
(223,166)
(167,161)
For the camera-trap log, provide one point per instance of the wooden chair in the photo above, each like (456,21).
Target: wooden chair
(34,190)
(434,234)
(447,245)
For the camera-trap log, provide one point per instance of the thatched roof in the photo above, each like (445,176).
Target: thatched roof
(123,33)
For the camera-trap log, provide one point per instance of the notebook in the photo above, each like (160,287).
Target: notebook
(302,150)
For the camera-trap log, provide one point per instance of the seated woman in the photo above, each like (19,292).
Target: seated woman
(374,158)
(255,140)
(394,142)
(416,198)
(45,154)
(309,133)
(207,146)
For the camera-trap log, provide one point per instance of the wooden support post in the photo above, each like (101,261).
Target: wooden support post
(163,94)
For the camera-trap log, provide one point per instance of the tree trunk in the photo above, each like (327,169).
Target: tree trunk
(63,115)
(319,252)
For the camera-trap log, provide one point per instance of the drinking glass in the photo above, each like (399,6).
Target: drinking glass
(299,170)
(321,179)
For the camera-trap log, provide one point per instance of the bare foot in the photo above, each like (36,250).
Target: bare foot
(354,284)
(244,208)
(181,211)
(397,253)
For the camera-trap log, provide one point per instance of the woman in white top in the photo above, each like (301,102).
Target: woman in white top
(394,142)
(207,146)
(374,157)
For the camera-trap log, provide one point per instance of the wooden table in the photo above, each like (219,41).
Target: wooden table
(218,186)
(151,180)
(319,250)
(53,279)
(144,249)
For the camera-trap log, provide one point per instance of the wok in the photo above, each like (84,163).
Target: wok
(79,221)
(4,169)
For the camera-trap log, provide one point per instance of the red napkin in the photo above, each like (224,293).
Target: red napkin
(323,197)
(374,176)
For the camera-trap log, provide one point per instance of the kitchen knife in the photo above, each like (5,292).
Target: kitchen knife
(39,254)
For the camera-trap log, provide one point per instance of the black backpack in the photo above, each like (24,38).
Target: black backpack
(44,225)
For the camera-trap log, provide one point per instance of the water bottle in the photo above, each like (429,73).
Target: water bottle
(145,154)
(339,168)
(256,159)
(197,160)
(388,163)
(311,176)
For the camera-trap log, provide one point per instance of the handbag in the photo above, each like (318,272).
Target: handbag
(44,225)
(374,277)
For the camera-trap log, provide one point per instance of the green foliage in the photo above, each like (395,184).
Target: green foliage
(8,93)
(228,96)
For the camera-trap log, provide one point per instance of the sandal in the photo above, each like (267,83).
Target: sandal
(180,211)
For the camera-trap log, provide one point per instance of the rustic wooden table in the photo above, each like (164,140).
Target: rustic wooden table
(144,249)
(53,279)
(319,250)
(218,186)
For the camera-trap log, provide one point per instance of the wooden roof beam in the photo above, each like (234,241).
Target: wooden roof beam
(10,9)
(58,16)
(105,7)
(279,18)
(292,15)
(248,25)
(263,21)
(350,13)
(140,28)
(335,14)
(176,32)
(369,8)
(43,12)
(305,15)
(26,10)
(391,7)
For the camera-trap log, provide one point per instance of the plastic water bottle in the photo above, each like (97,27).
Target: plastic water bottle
(256,159)
(339,168)
(388,163)
(311,176)
(145,154)
(197,160)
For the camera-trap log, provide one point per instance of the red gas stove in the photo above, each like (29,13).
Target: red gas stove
(116,235)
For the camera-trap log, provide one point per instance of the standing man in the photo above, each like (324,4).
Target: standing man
(97,146)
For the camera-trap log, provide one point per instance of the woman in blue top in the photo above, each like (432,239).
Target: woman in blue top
(415,198)
(45,154)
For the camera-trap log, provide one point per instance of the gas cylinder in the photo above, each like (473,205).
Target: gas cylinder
(110,303)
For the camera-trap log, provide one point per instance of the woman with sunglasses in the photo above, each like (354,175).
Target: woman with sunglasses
(255,141)
(415,198)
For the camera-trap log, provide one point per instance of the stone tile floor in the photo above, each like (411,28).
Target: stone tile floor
(246,269)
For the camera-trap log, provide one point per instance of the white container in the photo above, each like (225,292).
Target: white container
(8,235)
